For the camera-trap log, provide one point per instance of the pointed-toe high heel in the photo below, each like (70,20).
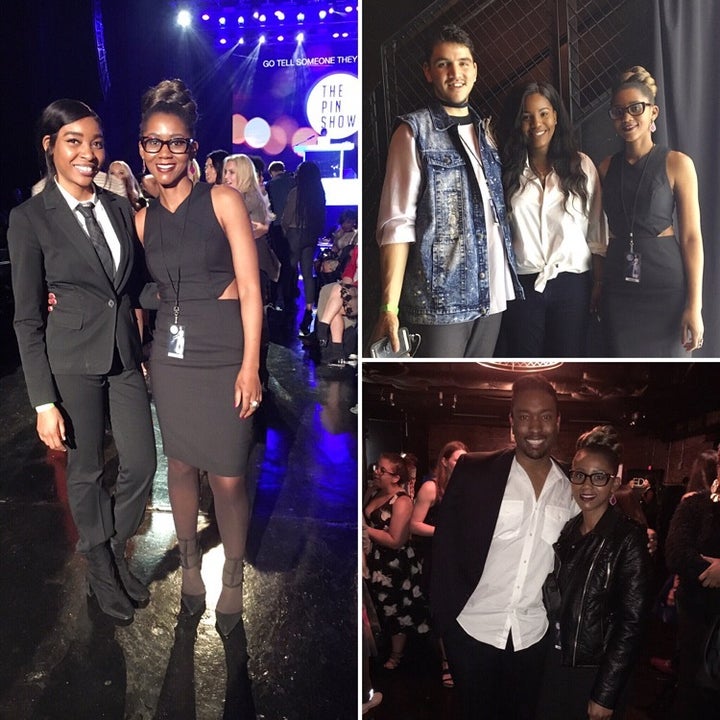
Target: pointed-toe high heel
(239,703)
(136,591)
(191,557)
(232,578)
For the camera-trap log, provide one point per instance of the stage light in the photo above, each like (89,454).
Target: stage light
(348,8)
(205,17)
(184,19)
(223,41)
(280,38)
(279,14)
(345,34)
(261,40)
(241,20)
(300,37)
(322,14)
(262,18)
(256,14)
(336,35)
(222,20)
(300,17)
(241,41)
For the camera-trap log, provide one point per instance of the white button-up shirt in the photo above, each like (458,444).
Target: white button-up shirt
(509,594)
(549,237)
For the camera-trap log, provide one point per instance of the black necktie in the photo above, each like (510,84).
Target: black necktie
(98,238)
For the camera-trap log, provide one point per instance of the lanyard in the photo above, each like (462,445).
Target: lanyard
(631,222)
(181,246)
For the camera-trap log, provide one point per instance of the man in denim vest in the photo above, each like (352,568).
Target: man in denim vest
(446,258)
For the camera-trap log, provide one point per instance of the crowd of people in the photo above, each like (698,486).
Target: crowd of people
(536,579)
(511,243)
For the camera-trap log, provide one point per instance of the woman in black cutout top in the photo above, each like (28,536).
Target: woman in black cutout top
(652,280)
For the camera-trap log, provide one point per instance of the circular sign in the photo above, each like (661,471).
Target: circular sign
(333,106)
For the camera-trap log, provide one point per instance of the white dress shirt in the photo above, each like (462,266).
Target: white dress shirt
(549,237)
(398,207)
(102,218)
(509,594)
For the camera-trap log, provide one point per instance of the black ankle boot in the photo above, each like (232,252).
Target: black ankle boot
(239,703)
(136,591)
(306,322)
(104,586)
(322,333)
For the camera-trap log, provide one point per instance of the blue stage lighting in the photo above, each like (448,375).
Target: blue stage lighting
(301,17)
(322,14)
(184,18)
(223,41)
(280,38)
(280,15)
(262,18)
(261,40)
(241,20)
(256,14)
(205,17)
(300,37)
(348,8)
(222,20)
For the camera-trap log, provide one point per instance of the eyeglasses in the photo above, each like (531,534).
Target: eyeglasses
(598,479)
(617,112)
(177,146)
(380,470)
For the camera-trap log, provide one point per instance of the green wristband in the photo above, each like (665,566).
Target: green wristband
(390,308)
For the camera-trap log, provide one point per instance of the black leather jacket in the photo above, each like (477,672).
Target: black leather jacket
(603,581)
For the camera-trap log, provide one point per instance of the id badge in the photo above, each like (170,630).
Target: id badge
(632,267)
(176,341)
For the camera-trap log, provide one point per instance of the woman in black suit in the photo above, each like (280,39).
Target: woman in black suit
(81,362)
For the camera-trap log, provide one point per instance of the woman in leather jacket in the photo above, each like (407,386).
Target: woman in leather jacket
(597,595)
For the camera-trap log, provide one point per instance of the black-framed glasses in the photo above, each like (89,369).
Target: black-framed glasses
(177,146)
(598,479)
(617,112)
(380,470)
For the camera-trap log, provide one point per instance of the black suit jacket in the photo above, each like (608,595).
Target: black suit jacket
(464,530)
(50,252)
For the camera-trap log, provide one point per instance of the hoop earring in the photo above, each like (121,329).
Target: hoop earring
(613,499)
(653,127)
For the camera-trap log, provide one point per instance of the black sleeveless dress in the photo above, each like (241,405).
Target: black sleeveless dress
(642,319)
(189,258)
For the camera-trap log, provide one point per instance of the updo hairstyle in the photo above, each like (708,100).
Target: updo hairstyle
(602,439)
(55,116)
(399,466)
(637,77)
(172,97)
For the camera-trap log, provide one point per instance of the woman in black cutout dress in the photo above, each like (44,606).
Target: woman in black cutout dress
(201,252)
(652,287)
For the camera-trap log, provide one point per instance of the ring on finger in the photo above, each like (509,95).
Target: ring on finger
(254,403)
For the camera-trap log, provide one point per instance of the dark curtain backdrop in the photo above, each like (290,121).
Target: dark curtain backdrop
(686,66)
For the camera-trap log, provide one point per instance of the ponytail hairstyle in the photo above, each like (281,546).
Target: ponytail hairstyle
(310,200)
(602,439)
(637,77)
(562,153)
(440,475)
(53,117)
(172,97)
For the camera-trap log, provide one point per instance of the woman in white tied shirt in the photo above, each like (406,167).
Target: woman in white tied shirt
(559,232)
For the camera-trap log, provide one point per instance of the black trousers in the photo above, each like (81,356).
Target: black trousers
(85,401)
(301,252)
(552,323)
(494,684)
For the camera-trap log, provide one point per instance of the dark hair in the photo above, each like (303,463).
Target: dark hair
(629,502)
(704,471)
(276,166)
(348,214)
(259,164)
(55,116)
(440,474)
(448,34)
(172,97)
(532,382)
(310,199)
(637,77)
(562,153)
(217,157)
(603,439)
(399,466)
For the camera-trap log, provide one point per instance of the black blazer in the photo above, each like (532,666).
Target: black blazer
(464,530)
(50,252)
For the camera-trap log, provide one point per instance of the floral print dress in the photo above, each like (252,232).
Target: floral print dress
(394,579)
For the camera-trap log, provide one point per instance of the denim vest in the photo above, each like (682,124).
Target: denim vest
(446,277)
